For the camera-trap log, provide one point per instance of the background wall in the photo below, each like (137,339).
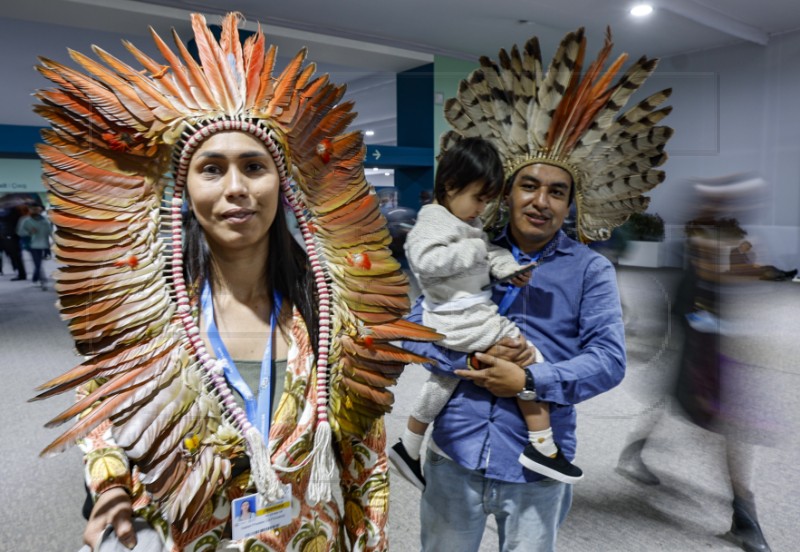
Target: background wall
(20,175)
(736,110)
(448,72)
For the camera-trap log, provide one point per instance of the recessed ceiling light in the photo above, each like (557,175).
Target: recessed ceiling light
(387,174)
(640,10)
(369,132)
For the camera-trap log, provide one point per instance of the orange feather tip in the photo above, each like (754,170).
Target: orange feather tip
(360,260)
(132,261)
(118,142)
(324,149)
(161,72)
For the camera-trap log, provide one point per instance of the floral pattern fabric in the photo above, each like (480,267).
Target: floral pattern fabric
(355,522)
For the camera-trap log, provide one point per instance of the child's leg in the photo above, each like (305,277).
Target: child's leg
(412,436)
(404,455)
(537,419)
(415,426)
(433,397)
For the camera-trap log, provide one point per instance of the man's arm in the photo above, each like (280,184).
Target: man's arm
(599,365)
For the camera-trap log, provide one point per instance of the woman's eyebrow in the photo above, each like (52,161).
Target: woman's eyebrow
(249,154)
(243,155)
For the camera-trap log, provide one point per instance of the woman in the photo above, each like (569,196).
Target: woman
(225,359)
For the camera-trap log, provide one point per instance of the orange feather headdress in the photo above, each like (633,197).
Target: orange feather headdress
(569,119)
(115,132)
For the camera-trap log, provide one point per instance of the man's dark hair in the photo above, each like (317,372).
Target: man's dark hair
(467,161)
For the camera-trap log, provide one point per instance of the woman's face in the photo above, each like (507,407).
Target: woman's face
(245,507)
(233,188)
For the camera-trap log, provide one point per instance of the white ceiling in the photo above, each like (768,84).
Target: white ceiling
(364,42)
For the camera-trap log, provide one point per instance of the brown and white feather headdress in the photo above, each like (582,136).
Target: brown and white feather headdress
(569,118)
(116,131)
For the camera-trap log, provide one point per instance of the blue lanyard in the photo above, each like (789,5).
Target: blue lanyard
(258,408)
(512,291)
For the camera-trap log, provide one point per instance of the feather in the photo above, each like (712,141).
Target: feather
(280,103)
(199,85)
(172,82)
(121,360)
(254,63)
(194,94)
(126,94)
(266,86)
(154,98)
(83,427)
(554,85)
(399,329)
(232,49)
(215,66)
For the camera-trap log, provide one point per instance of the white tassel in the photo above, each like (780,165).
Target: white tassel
(319,488)
(267,482)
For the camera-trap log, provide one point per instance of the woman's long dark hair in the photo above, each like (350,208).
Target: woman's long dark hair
(287,272)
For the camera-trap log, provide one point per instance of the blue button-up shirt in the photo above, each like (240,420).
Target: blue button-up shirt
(570,310)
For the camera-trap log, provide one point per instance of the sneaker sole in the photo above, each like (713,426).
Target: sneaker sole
(552,474)
(404,470)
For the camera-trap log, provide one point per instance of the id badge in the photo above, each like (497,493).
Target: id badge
(251,514)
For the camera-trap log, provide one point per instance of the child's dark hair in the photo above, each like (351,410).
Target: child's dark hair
(467,161)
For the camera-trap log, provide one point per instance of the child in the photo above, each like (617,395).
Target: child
(450,255)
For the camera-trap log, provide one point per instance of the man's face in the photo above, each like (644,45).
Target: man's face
(538,203)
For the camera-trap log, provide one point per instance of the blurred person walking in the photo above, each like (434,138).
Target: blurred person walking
(704,371)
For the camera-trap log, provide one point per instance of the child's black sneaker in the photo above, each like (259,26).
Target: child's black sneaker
(558,468)
(407,466)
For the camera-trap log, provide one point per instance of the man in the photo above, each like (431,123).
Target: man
(560,142)
(572,314)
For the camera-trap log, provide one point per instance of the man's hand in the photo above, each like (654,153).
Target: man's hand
(501,377)
(114,508)
(514,350)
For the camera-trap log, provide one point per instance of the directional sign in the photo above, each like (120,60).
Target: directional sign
(394,157)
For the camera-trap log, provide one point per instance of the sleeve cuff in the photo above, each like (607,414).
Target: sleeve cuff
(544,377)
